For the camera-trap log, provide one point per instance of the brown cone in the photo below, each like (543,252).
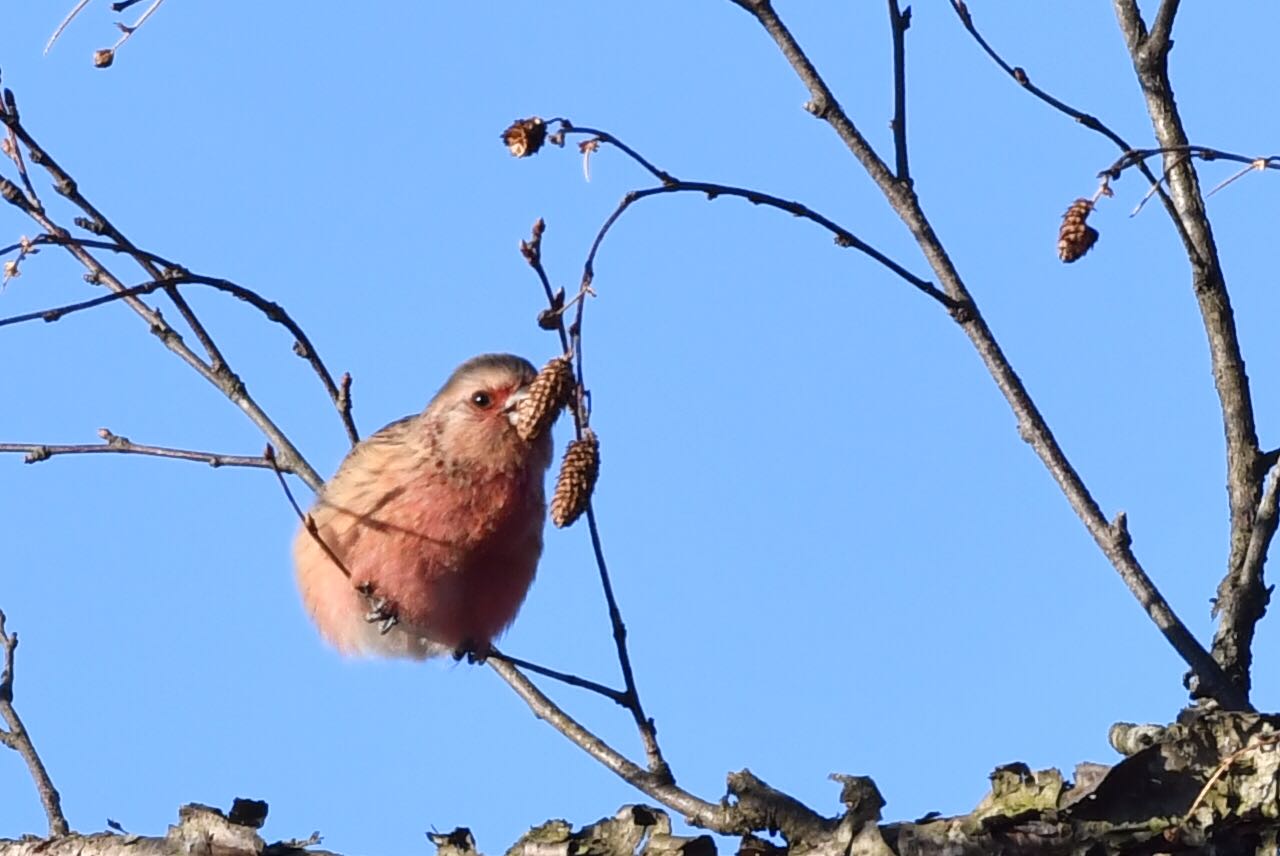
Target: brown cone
(1075,236)
(548,394)
(525,136)
(578,472)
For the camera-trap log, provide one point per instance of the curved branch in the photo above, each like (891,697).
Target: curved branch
(532,253)
(605,137)
(1087,119)
(173,275)
(1090,121)
(843,236)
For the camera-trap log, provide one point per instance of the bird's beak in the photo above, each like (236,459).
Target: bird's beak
(513,403)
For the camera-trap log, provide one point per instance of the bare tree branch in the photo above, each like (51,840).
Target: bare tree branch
(1186,208)
(899,21)
(843,236)
(1134,157)
(1242,594)
(66,21)
(1113,542)
(115,444)
(1162,26)
(17,738)
(174,276)
(671,184)
(1088,120)
(700,812)
(571,341)
(99,224)
(618,697)
(217,372)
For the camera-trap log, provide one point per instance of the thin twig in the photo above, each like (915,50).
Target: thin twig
(269,455)
(658,765)
(173,277)
(115,444)
(1088,120)
(18,739)
(670,184)
(99,224)
(1223,766)
(605,137)
(718,818)
(222,377)
(1257,166)
(532,252)
(563,677)
(571,342)
(127,30)
(1032,425)
(1134,157)
(899,21)
(65,23)
(843,236)
(225,381)
(1024,80)
(15,154)
(1151,191)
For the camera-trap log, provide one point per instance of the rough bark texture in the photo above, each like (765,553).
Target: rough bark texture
(1209,783)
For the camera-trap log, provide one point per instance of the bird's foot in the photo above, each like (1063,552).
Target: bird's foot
(474,654)
(382,612)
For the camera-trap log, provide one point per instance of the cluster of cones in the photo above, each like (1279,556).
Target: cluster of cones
(551,391)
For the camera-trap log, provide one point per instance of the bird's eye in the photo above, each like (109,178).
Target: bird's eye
(482,400)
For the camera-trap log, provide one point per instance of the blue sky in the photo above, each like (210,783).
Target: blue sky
(832,550)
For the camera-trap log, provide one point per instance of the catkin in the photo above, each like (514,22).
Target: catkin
(1075,236)
(548,394)
(525,136)
(578,473)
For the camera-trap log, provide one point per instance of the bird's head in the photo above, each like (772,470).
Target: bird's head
(474,414)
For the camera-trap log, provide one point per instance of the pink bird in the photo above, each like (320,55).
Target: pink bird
(439,515)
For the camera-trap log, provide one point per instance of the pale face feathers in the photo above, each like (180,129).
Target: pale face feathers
(473,415)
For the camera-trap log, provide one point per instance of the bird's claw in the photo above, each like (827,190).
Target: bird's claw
(381,611)
(474,654)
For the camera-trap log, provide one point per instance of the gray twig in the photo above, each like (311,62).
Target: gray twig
(19,740)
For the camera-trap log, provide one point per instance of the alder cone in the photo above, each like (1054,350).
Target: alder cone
(525,136)
(1075,236)
(548,394)
(578,472)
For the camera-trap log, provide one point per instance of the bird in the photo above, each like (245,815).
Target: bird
(435,520)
